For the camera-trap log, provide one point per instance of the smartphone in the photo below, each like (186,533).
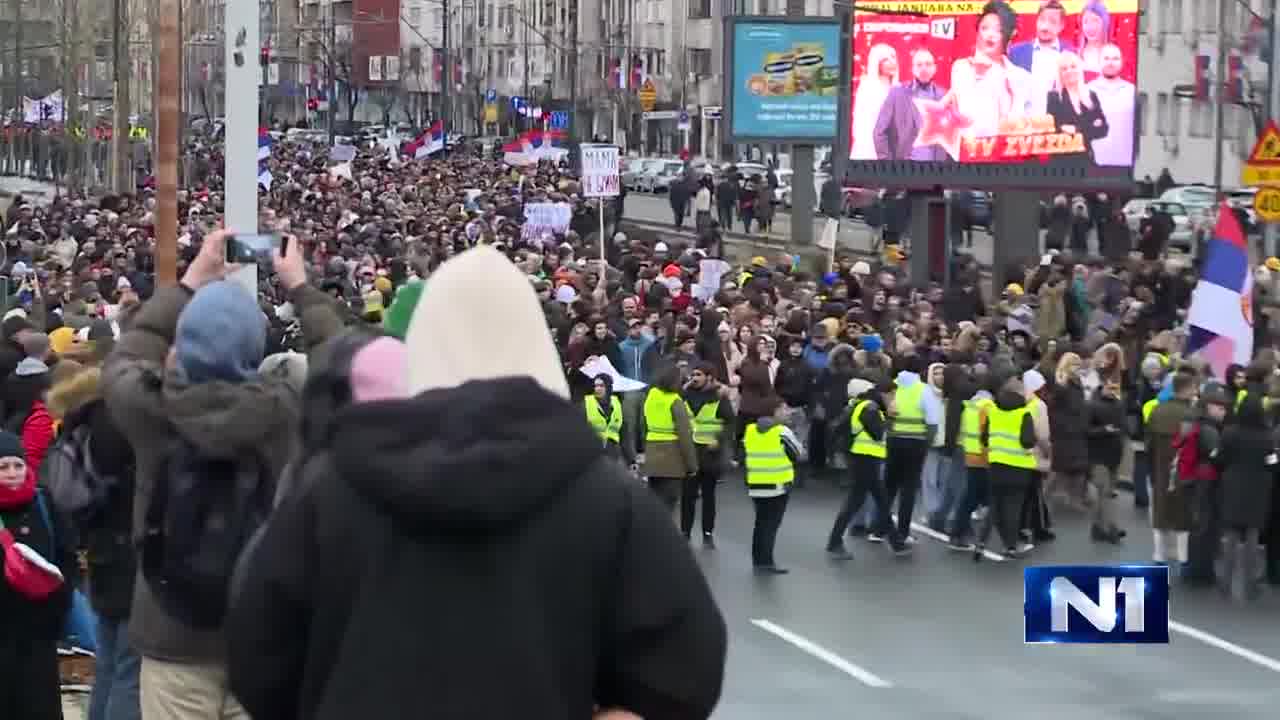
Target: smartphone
(250,248)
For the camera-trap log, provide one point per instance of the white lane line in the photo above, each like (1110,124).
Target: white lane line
(942,537)
(1212,640)
(866,677)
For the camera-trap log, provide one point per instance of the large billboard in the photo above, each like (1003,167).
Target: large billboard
(784,81)
(1045,85)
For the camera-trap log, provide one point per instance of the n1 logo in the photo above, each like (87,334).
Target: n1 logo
(943,28)
(1079,604)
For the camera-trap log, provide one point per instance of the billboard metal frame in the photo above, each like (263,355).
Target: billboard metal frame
(730,24)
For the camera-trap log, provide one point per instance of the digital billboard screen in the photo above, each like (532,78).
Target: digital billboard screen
(785,82)
(1049,83)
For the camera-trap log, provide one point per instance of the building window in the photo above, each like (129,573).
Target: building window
(1142,113)
(1201,119)
(1171,16)
(415,59)
(415,16)
(700,62)
(699,9)
(1144,18)
(1162,113)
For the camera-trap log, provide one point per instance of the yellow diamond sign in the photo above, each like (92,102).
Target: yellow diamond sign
(1263,165)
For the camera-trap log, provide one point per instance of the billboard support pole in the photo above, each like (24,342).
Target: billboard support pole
(803,195)
(844,106)
(1270,233)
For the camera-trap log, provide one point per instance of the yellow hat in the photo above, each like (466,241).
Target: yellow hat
(62,339)
(759,261)
(373,302)
(382,284)
(1273,264)
(1013,289)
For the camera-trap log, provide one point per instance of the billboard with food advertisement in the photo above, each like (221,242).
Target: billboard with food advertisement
(785,79)
(1040,84)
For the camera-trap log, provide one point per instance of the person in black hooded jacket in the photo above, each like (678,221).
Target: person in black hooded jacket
(481,517)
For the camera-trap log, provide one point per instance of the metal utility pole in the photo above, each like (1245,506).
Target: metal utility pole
(331,72)
(1220,95)
(574,158)
(1272,107)
(446,74)
(168,118)
(120,99)
(524,56)
(18,58)
(803,193)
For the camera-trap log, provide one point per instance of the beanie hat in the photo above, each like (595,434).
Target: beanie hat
(30,366)
(396,318)
(290,367)
(221,334)
(382,284)
(379,371)
(871,343)
(11,445)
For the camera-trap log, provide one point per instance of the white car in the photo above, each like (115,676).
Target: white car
(661,181)
(819,179)
(1135,210)
(782,193)
(1197,200)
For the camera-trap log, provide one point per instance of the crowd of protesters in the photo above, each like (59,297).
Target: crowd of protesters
(393,345)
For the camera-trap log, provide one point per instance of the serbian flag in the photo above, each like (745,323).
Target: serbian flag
(431,141)
(264,154)
(1221,316)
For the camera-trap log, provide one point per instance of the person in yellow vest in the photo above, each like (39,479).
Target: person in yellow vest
(977,483)
(915,417)
(1009,437)
(604,413)
(867,450)
(713,427)
(772,453)
(670,454)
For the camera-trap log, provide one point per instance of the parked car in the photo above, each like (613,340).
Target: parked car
(1135,210)
(652,167)
(631,168)
(661,181)
(1242,200)
(1197,200)
(819,179)
(782,193)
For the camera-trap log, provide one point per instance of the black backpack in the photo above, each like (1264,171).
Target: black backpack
(201,513)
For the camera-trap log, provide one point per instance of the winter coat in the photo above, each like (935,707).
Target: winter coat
(28,644)
(1107,431)
(151,406)
(107,536)
(711,459)
(485,517)
(795,381)
(1170,508)
(1247,457)
(1051,316)
(671,458)
(1069,425)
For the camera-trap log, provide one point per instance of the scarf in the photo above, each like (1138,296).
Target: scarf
(21,496)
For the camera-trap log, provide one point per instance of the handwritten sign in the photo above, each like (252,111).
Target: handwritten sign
(599,171)
(540,218)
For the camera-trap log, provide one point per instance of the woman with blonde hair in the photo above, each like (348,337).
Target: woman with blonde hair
(1069,425)
(880,74)
(1074,107)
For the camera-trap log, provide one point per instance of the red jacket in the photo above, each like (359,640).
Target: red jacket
(37,436)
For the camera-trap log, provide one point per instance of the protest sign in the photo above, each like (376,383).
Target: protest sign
(549,218)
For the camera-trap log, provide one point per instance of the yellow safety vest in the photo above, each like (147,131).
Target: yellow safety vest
(609,429)
(863,443)
(1004,438)
(909,422)
(1149,406)
(706,425)
(659,425)
(768,467)
(971,425)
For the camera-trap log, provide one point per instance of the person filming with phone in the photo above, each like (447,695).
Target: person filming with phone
(183,386)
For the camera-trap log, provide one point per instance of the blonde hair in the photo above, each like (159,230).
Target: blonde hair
(1078,95)
(877,55)
(1064,371)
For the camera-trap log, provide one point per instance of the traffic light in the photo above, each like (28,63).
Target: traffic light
(313,104)
(266,55)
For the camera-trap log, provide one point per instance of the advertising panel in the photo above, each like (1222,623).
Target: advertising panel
(785,79)
(1025,82)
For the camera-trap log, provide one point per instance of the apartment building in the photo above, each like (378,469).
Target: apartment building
(1176,131)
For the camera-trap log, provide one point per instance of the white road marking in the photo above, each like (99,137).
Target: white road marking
(1212,640)
(942,537)
(866,677)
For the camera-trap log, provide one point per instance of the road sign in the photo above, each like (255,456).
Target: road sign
(659,115)
(683,123)
(711,112)
(1267,204)
(1263,165)
(490,96)
(648,96)
(599,170)
(517,102)
(559,119)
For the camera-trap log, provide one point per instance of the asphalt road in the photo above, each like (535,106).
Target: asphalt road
(656,210)
(935,636)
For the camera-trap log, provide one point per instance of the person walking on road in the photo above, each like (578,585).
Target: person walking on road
(867,447)
(604,414)
(713,430)
(1249,461)
(1009,435)
(727,200)
(670,455)
(1170,502)
(914,419)
(772,454)
(1106,436)
(480,511)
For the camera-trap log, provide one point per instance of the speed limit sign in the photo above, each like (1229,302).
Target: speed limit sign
(1266,203)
